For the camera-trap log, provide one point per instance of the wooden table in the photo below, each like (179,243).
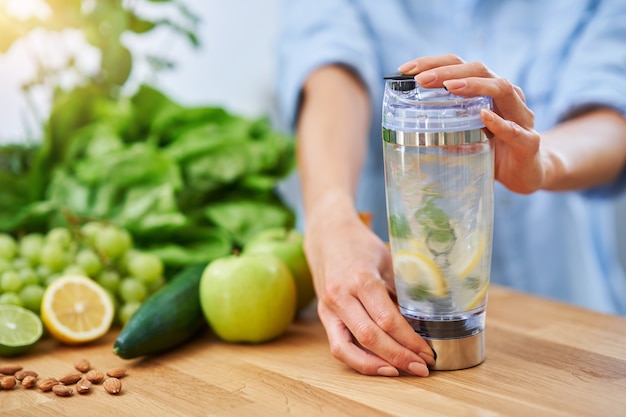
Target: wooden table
(543,359)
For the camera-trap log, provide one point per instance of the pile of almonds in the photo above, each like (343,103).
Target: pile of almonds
(82,379)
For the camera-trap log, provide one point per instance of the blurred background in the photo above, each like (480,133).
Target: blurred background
(232,66)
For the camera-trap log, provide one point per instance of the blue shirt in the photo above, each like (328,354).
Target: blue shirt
(564,54)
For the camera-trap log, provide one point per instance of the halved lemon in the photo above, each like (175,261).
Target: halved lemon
(417,269)
(19,329)
(466,254)
(75,309)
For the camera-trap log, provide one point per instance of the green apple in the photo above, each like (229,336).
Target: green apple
(248,298)
(286,244)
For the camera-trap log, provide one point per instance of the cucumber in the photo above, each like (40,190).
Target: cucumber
(167,319)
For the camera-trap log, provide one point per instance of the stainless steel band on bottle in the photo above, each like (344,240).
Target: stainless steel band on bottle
(426,139)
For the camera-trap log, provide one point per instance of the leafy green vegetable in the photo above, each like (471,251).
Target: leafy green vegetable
(189,183)
(184,188)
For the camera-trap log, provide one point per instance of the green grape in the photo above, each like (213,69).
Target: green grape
(8,246)
(132,289)
(126,311)
(89,231)
(28,276)
(89,261)
(5,265)
(109,280)
(156,285)
(122,262)
(43,272)
(74,269)
(31,296)
(51,278)
(145,266)
(54,257)
(30,247)
(10,281)
(59,236)
(11,298)
(112,241)
(19,263)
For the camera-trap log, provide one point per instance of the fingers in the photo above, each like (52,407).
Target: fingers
(373,338)
(353,280)
(415,66)
(524,142)
(344,349)
(508,99)
(471,79)
(518,163)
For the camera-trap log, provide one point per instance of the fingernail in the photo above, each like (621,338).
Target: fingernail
(425,78)
(419,369)
(387,371)
(487,115)
(428,358)
(455,84)
(406,67)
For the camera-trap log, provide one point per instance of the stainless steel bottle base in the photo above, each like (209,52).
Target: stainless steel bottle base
(461,353)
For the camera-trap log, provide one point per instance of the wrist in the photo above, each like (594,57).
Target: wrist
(329,205)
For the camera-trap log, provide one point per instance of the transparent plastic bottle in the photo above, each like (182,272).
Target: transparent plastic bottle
(439,171)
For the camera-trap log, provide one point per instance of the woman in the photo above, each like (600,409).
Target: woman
(557,74)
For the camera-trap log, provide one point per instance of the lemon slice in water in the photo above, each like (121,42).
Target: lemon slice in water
(418,270)
(478,297)
(466,254)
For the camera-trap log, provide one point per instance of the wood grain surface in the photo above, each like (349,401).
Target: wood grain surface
(543,359)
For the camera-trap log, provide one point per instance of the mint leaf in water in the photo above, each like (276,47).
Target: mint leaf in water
(420,292)
(436,225)
(399,227)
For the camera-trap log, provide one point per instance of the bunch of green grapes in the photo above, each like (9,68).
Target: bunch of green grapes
(101,251)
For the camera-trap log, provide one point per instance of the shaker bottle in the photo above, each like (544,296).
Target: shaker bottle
(439,172)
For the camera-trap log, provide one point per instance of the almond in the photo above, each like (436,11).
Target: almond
(82,365)
(7,382)
(70,378)
(19,375)
(116,372)
(112,385)
(83,386)
(9,369)
(29,381)
(62,390)
(47,384)
(94,376)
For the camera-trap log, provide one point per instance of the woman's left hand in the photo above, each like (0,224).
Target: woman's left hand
(519,163)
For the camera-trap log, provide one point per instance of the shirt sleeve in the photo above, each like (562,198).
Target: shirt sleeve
(318,33)
(596,72)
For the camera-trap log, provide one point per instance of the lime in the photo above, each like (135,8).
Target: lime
(19,329)
(420,271)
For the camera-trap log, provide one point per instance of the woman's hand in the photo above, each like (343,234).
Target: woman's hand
(519,162)
(353,279)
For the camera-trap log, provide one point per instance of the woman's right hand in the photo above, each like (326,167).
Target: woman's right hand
(353,279)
